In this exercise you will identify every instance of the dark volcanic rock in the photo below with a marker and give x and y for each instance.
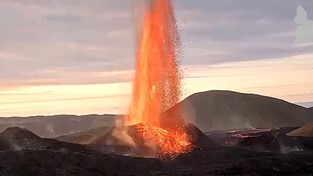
(64, 159)
(262, 139)
(236, 161)
(67, 163)
(216, 162)
(306, 142)
(266, 139)
(272, 141)
(218, 110)
(232, 137)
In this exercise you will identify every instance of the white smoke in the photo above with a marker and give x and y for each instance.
(120, 132)
(248, 125)
(15, 146)
(286, 149)
(50, 129)
(154, 149)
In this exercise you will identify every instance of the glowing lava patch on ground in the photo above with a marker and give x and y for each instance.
(156, 86)
(170, 143)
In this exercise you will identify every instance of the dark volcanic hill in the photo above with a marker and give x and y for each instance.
(217, 162)
(305, 131)
(52, 126)
(15, 138)
(216, 110)
(16, 133)
(126, 140)
(37, 156)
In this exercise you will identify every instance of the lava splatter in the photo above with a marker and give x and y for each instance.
(156, 86)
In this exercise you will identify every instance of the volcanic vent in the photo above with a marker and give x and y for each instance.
(156, 86)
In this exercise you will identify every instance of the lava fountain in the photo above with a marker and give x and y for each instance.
(156, 85)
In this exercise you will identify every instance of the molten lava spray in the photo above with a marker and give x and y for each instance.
(156, 85)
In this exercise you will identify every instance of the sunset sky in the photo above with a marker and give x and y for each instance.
(77, 56)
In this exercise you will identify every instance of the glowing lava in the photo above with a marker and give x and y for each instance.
(170, 143)
(156, 85)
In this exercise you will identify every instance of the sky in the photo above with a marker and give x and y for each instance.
(78, 56)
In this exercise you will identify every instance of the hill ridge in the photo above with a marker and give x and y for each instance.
(219, 109)
(209, 110)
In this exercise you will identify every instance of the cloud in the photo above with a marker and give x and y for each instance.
(242, 30)
(304, 31)
(66, 76)
(306, 104)
(286, 78)
(54, 41)
(63, 99)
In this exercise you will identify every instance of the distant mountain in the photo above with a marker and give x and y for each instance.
(52, 126)
(217, 110)
(211, 110)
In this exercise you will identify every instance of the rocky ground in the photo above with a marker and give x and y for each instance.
(220, 161)
(240, 152)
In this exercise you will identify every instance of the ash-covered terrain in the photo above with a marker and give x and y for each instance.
(238, 152)
(266, 146)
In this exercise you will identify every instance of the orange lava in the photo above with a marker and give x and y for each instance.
(156, 86)
(170, 143)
